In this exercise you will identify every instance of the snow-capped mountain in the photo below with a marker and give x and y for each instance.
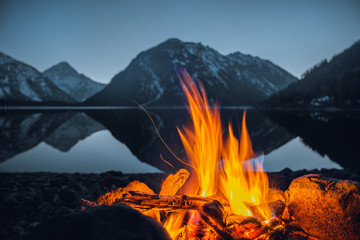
(73, 83)
(21, 82)
(235, 79)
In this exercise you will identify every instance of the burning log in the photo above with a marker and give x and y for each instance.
(145, 201)
(214, 211)
(213, 214)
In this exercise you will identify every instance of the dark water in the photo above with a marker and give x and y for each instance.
(125, 140)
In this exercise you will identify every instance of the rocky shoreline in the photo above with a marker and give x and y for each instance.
(28, 199)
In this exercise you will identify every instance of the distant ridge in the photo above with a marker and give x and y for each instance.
(234, 79)
(329, 84)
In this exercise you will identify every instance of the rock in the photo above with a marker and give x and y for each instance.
(174, 182)
(139, 187)
(69, 196)
(46, 208)
(118, 221)
(50, 193)
(55, 182)
(327, 208)
(111, 197)
(109, 181)
(62, 211)
(286, 171)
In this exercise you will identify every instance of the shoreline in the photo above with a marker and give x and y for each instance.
(29, 198)
(242, 107)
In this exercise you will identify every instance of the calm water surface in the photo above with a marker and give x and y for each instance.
(125, 140)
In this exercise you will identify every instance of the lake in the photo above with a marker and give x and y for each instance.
(99, 140)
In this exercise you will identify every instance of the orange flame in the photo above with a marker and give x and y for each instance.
(173, 224)
(222, 166)
(203, 140)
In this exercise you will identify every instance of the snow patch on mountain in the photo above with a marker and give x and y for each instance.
(27, 91)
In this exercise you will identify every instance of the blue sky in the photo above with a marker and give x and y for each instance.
(100, 38)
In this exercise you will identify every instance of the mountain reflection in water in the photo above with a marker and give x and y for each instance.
(295, 139)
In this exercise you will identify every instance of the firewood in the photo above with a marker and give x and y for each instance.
(174, 182)
(256, 232)
(241, 226)
(277, 208)
(211, 211)
(276, 233)
(146, 201)
(233, 219)
(217, 227)
(213, 214)
(216, 211)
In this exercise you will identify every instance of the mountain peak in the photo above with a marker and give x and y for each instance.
(4, 59)
(64, 64)
(62, 67)
(173, 40)
(73, 83)
(171, 43)
(177, 43)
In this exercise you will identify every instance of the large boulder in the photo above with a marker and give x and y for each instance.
(118, 221)
(327, 208)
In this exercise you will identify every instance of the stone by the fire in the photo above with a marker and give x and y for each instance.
(118, 221)
(139, 187)
(111, 197)
(174, 182)
(327, 208)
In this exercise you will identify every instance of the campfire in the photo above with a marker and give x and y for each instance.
(221, 193)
